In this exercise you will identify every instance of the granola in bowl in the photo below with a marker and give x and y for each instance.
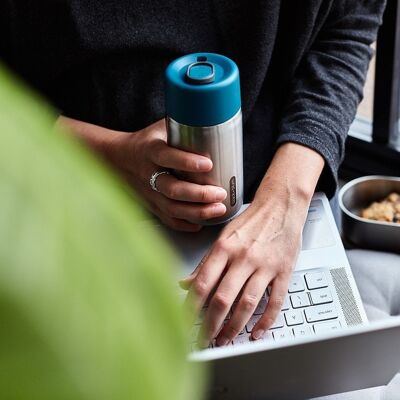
(387, 210)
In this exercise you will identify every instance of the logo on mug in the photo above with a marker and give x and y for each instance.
(232, 186)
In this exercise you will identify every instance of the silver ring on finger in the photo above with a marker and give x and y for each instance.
(154, 177)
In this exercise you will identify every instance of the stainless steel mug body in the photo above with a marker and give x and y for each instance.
(223, 144)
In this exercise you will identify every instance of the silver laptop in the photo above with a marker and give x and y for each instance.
(320, 344)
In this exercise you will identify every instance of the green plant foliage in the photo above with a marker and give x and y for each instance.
(87, 304)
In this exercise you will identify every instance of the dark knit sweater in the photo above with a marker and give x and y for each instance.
(302, 63)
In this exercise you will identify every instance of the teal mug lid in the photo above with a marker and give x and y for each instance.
(202, 89)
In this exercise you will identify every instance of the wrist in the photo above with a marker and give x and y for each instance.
(291, 179)
(286, 187)
(102, 140)
(282, 197)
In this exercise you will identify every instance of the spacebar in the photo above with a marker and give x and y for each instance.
(321, 313)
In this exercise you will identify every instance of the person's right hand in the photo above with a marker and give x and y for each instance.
(139, 154)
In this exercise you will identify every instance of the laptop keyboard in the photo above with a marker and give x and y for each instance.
(309, 309)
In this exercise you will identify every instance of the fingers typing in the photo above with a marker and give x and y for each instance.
(274, 306)
(244, 309)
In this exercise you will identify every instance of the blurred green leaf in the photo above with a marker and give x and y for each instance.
(87, 303)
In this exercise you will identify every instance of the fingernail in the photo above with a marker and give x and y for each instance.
(219, 209)
(258, 334)
(205, 165)
(220, 195)
(222, 341)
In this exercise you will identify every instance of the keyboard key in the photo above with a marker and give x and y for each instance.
(316, 280)
(279, 322)
(300, 300)
(302, 331)
(250, 325)
(294, 317)
(241, 339)
(296, 284)
(326, 327)
(261, 307)
(282, 334)
(320, 313)
(321, 296)
(267, 336)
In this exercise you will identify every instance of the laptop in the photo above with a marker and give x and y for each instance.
(321, 343)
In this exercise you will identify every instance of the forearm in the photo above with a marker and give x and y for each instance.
(291, 180)
(96, 137)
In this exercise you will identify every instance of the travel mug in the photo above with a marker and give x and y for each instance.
(203, 107)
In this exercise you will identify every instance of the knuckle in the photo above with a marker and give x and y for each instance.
(284, 266)
(284, 262)
(203, 213)
(173, 191)
(248, 302)
(252, 254)
(188, 163)
(222, 245)
(287, 266)
(245, 253)
(158, 157)
(279, 268)
(204, 194)
(200, 287)
(276, 303)
(221, 301)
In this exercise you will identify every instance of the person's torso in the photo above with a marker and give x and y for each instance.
(103, 61)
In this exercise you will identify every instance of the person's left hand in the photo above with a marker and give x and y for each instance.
(257, 249)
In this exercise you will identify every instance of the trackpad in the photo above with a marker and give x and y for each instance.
(317, 232)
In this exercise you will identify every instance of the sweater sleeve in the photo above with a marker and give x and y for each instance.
(328, 85)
